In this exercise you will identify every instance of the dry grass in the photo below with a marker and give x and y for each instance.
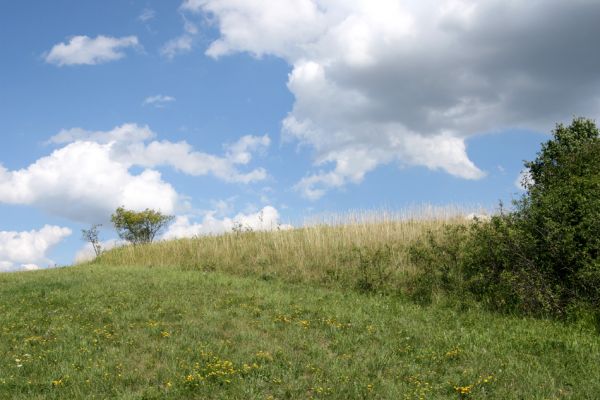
(326, 250)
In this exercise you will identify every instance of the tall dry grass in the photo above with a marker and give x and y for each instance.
(328, 249)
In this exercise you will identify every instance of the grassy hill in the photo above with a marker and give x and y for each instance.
(273, 316)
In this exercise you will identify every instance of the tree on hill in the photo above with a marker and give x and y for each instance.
(139, 226)
(543, 257)
(561, 210)
(92, 236)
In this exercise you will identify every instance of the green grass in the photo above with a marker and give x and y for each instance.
(100, 332)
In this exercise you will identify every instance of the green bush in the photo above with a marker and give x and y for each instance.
(561, 210)
(139, 227)
(543, 256)
(440, 258)
(375, 267)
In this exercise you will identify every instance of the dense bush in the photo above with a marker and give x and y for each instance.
(542, 257)
(139, 227)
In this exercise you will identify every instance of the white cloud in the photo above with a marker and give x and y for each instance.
(241, 151)
(147, 14)
(266, 219)
(83, 50)
(192, 5)
(28, 250)
(159, 100)
(408, 82)
(88, 178)
(180, 45)
(183, 158)
(189, 27)
(83, 182)
(126, 133)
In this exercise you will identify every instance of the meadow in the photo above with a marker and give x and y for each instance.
(321, 312)
(336, 251)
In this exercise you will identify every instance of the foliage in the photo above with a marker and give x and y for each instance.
(561, 212)
(542, 257)
(139, 226)
(92, 235)
(439, 258)
(375, 266)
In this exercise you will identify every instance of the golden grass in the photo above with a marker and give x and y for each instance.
(325, 250)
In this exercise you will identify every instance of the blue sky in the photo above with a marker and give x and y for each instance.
(267, 112)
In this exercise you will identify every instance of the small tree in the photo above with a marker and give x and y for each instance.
(91, 235)
(139, 226)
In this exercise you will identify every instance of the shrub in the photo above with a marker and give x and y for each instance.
(440, 258)
(375, 267)
(542, 257)
(561, 210)
(139, 227)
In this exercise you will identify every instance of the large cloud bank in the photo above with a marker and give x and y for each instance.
(409, 81)
(91, 174)
(27, 250)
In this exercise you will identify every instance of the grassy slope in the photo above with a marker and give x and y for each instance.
(322, 254)
(144, 333)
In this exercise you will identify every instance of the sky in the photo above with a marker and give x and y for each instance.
(267, 112)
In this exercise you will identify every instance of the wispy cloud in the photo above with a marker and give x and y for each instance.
(179, 45)
(147, 14)
(183, 43)
(158, 101)
(83, 50)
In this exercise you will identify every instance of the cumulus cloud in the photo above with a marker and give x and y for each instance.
(90, 176)
(266, 219)
(183, 158)
(159, 100)
(27, 250)
(83, 50)
(408, 82)
(83, 182)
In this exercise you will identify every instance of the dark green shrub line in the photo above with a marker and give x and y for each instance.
(541, 258)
